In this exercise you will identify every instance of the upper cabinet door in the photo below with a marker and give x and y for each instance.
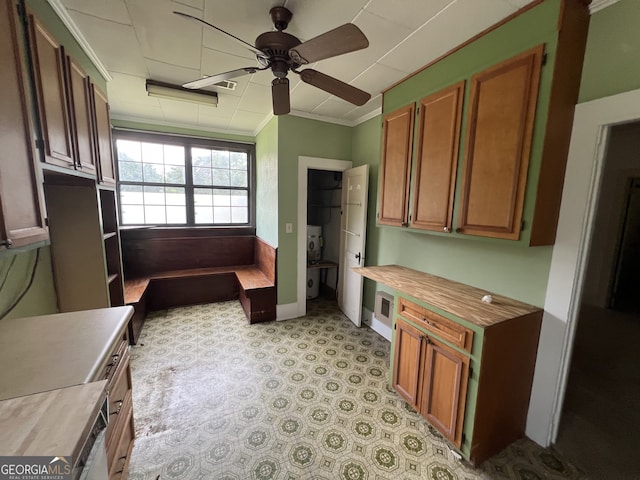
(49, 66)
(21, 213)
(79, 93)
(498, 145)
(396, 167)
(440, 116)
(104, 150)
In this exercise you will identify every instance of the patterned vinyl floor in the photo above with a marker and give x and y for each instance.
(307, 399)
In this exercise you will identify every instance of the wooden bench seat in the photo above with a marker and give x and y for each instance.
(153, 283)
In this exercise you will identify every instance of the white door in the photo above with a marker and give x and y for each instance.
(355, 186)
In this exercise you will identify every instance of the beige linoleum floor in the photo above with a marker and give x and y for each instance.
(216, 398)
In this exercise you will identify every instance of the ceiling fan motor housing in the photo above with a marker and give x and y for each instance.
(276, 46)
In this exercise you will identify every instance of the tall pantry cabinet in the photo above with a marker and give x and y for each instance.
(78, 173)
(21, 209)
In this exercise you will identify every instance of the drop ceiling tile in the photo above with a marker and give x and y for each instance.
(113, 10)
(438, 37)
(116, 45)
(215, 62)
(333, 108)
(153, 21)
(312, 18)
(178, 111)
(409, 13)
(127, 88)
(247, 121)
(305, 97)
(197, 4)
(166, 72)
(226, 109)
(520, 3)
(256, 98)
(377, 78)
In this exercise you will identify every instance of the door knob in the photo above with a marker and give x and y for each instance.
(358, 257)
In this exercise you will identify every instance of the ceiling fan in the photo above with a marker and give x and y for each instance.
(282, 53)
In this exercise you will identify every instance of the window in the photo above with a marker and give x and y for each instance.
(183, 181)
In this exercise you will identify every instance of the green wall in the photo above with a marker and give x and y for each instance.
(267, 183)
(612, 59)
(300, 137)
(16, 269)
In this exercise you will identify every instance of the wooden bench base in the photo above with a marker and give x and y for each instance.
(256, 293)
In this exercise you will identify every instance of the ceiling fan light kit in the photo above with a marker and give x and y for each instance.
(176, 92)
(283, 53)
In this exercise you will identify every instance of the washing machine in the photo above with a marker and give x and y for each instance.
(313, 283)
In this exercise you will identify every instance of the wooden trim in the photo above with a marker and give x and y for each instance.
(531, 60)
(467, 42)
(572, 41)
(455, 95)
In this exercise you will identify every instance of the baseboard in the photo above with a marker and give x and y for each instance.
(381, 328)
(287, 311)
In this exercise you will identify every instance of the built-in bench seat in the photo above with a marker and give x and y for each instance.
(153, 282)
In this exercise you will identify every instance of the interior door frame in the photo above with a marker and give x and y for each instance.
(304, 165)
(592, 123)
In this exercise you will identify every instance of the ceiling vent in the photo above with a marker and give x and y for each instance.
(226, 84)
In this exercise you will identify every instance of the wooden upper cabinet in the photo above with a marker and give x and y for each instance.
(440, 115)
(21, 207)
(396, 167)
(444, 389)
(104, 150)
(81, 117)
(49, 66)
(498, 146)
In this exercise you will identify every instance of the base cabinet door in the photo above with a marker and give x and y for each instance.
(433, 378)
(444, 389)
(407, 362)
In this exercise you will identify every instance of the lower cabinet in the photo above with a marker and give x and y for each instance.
(471, 382)
(433, 378)
(120, 433)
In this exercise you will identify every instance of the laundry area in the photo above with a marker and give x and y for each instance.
(324, 193)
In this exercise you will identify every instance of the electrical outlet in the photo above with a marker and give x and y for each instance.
(288, 227)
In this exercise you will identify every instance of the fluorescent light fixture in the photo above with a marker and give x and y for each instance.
(176, 92)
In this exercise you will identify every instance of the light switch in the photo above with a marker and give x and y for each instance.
(288, 227)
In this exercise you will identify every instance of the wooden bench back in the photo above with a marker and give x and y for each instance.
(148, 256)
(265, 259)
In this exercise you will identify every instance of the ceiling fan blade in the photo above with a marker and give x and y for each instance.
(259, 53)
(206, 81)
(280, 96)
(344, 39)
(334, 86)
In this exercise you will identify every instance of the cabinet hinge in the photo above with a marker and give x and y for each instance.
(39, 144)
(522, 225)
(470, 372)
(395, 325)
(464, 438)
(544, 59)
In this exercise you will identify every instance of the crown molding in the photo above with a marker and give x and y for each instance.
(61, 11)
(597, 5)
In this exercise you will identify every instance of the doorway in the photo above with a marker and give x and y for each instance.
(599, 426)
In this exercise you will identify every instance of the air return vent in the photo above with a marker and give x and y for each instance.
(226, 84)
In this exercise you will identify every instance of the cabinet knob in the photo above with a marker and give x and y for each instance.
(458, 230)
(446, 229)
(7, 243)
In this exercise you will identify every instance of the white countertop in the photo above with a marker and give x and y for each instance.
(48, 352)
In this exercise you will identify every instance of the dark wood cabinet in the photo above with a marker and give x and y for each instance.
(82, 117)
(49, 64)
(438, 139)
(498, 145)
(21, 212)
(432, 377)
(104, 150)
(395, 170)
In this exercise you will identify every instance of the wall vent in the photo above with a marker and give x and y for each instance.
(383, 309)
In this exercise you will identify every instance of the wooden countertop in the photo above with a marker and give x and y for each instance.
(463, 301)
(48, 352)
(53, 423)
